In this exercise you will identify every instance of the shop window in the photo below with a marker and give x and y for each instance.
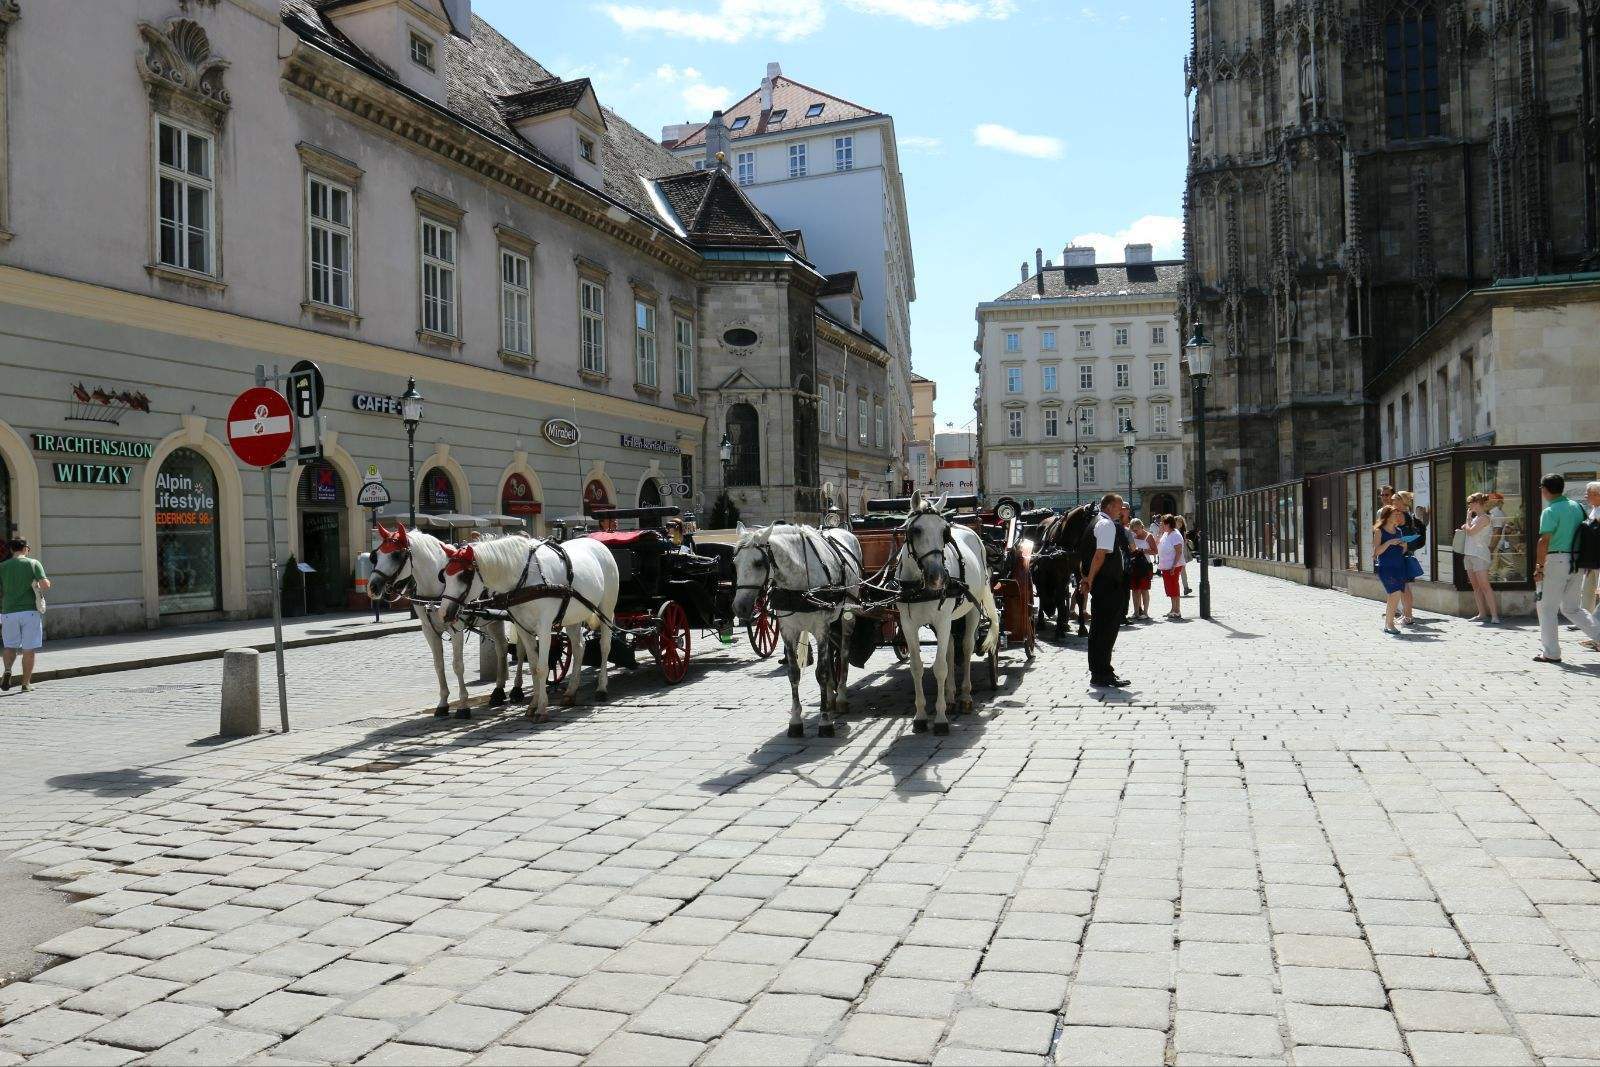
(1508, 519)
(744, 432)
(650, 494)
(438, 495)
(518, 498)
(595, 496)
(188, 538)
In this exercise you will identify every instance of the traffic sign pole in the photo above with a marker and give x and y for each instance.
(277, 584)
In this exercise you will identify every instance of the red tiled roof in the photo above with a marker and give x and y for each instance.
(788, 96)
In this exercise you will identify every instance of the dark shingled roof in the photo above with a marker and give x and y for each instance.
(713, 211)
(1159, 278)
(839, 284)
(556, 95)
(480, 73)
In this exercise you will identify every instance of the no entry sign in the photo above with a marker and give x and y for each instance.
(260, 426)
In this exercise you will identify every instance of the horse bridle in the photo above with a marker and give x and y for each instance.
(945, 540)
(392, 580)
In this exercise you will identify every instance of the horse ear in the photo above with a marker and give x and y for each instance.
(740, 529)
(916, 500)
(938, 505)
(383, 534)
(400, 532)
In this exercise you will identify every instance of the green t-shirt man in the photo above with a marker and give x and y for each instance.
(1560, 519)
(17, 576)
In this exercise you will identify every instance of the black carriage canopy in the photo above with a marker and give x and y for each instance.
(902, 504)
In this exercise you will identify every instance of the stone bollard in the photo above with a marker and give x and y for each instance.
(488, 668)
(241, 692)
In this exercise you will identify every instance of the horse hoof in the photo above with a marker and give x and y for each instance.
(568, 701)
(464, 713)
(940, 729)
(966, 706)
(797, 729)
(919, 726)
(518, 696)
(497, 698)
(442, 711)
(825, 730)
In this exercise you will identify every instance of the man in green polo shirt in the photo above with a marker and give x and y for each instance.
(1558, 585)
(22, 583)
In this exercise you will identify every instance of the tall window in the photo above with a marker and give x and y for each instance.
(1086, 469)
(1158, 374)
(825, 402)
(1052, 422)
(1052, 470)
(1158, 418)
(592, 310)
(1086, 422)
(1158, 335)
(1085, 338)
(328, 242)
(744, 434)
(1013, 379)
(844, 153)
(1411, 74)
(861, 419)
(1017, 470)
(516, 303)
(188, 523)
(644, 344)
(797, 160)
(840, 414)
(1013, 342)
(1014, 425)
(1124, 376)
(877, 425)
(1163, 466)
(438, 278)
(1048, 376)
(683, 337)
(1047, 340)
(186, 198)
(1119, 337)
(746, 167)
(1124, 418)
(1086, 376)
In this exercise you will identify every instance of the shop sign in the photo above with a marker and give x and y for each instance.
(563, 433)
(373, 495)
(650, 444)
(323, 487)
(92, 474)
(595, 497)
(183, 500)
(375, 403)
(87, 445)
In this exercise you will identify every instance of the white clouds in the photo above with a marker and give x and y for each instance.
(729, 22)
(1005, 139)
(929, 145)
(935, 14)
(668, 73)
(702, 98)
(1165, 232)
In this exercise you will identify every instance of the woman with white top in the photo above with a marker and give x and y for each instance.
(1475, 557)
(1169, 561)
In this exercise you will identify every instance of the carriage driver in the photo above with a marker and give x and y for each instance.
(1108, 588)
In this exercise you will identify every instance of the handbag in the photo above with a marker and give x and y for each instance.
(1413, 568)
(1458, 543)
(38, 598)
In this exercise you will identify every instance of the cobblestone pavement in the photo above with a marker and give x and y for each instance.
(1295, 840)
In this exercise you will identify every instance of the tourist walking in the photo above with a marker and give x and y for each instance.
(1476, 532)
(1141, 571)
(1590, 597)
(1389, 560)
(1556, 583)
(1108, 586)
(23, 584)
(1415, 534)
(1169, 560)
(1183, 567)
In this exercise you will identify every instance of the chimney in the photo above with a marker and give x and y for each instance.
(716, 143)
(1038, 267)
(1076, 256)
(773, 70)
(1024, 270)
(1138, 253)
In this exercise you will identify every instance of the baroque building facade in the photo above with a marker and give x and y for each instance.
(1355, 167)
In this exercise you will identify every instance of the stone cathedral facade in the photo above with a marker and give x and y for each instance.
(1355, 166)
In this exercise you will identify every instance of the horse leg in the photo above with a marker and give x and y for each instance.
(539, 705)
(791, 651)
(841, 693)
(969, 641)
(912, 633)
(574, 676)
(941, 675)
(520, 649)
(458, 660)
(825, 678)
(497, 637)
(436, 646)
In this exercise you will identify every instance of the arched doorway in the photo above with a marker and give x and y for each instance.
(744, 434)
(595, 496)
(650, 493)
(320, 501)
(8, 524)
(1162, 504)
(437, 494)
(188, 535)
(517, 497)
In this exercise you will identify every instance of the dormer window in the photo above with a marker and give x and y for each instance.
(813, 111)
(740, 123)
(777, 117)
(421, 51)
(586, 149)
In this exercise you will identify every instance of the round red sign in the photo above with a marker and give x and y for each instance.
(260, 428)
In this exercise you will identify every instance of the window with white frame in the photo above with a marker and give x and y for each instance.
(1158, 418)
(1014, 425)
(1017, 469)
(1124, 376)
(1013, 341)
(746, 167)
(797, 160)
(877, 425)
(844, 153)
(825, 402)
(1086, 422)
(1048, 378)
(592, 313)
(185, 198)
(1013, 379)
(683, 338)
(328, 243)
(1052, 422)
(1047, 340)
(1158, 374)
(1052, 470)
(1124, 418)
(516, 303)
(644, 344)
(438, 278)
(586, 149)
(1086, 376)
(1119, 337)
(1086, 469)
(861, 419)
(840, 414)
(1163, 466)
(1085, 339)
(421, 51)
(1158, 335)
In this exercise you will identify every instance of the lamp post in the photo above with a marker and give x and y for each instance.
(1129, 440)
(1077, 450)
(1199, 350)
(411, 415)
(725, 453)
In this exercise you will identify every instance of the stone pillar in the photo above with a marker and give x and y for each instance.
(241, 692)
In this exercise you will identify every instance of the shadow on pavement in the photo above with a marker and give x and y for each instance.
(128, 782)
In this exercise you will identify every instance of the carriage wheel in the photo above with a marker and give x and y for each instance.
(560, 658)
(994, 667)
(672, 642)
(1028, 648)
(763, 630)
(902, 651)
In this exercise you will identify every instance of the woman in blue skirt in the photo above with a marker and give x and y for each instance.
(1389, 560)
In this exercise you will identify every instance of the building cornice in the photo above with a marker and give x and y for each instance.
(1042, 308)
(852, 344)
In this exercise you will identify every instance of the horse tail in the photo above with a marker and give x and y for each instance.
(992, 612)
(802, 651)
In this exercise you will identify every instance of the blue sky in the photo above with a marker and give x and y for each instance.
(1022, 123)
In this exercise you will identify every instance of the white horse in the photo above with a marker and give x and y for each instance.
(940, 558)
(412, 556)
(581, 579)
(785, 560)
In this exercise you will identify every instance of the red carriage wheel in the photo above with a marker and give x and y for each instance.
(560, 658)
(902, 651)
(672, 642)
(763, 629)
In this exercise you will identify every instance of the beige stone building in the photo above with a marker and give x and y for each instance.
(920, 458)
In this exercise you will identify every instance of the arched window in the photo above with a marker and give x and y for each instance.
(321, 486)
(650, 494)
(1411, 73)
(744, 431)
(6, 527)
(188, 541)
(438, 495)
(518, 498)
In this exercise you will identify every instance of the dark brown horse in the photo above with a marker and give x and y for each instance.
(1066, 544)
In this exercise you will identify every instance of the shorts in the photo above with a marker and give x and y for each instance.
(1476, 564)
(22, 630)
(1139, 585)
(1169, 581)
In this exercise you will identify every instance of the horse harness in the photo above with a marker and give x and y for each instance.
(784, 602)
(953, 588)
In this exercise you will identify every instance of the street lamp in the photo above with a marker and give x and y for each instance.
(1129, 440)
(725, 453)
(1199, 351)
(411, 415)
(1077, 450)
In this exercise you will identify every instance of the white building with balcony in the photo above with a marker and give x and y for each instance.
(1072, 359)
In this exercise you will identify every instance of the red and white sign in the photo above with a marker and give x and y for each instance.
(260, 426)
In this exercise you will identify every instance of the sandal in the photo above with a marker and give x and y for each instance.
(1545, 659)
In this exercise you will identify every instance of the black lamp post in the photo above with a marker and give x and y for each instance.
(725, 453)
(1199, 351)
(1129, 440)
(1078, 449)
(411, 415)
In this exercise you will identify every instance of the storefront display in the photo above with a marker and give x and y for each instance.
(188, 551)
(1508, 522)
(438, 496)
(517, 498)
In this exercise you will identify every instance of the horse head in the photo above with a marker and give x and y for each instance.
(752, 571)
(391, 560)
(460, 580)
(927, 532)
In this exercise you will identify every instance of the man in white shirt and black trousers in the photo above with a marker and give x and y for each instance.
(1108, 588)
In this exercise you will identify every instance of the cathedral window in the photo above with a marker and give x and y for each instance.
(1411, 44)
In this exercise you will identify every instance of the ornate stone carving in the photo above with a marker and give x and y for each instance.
(181, 73)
